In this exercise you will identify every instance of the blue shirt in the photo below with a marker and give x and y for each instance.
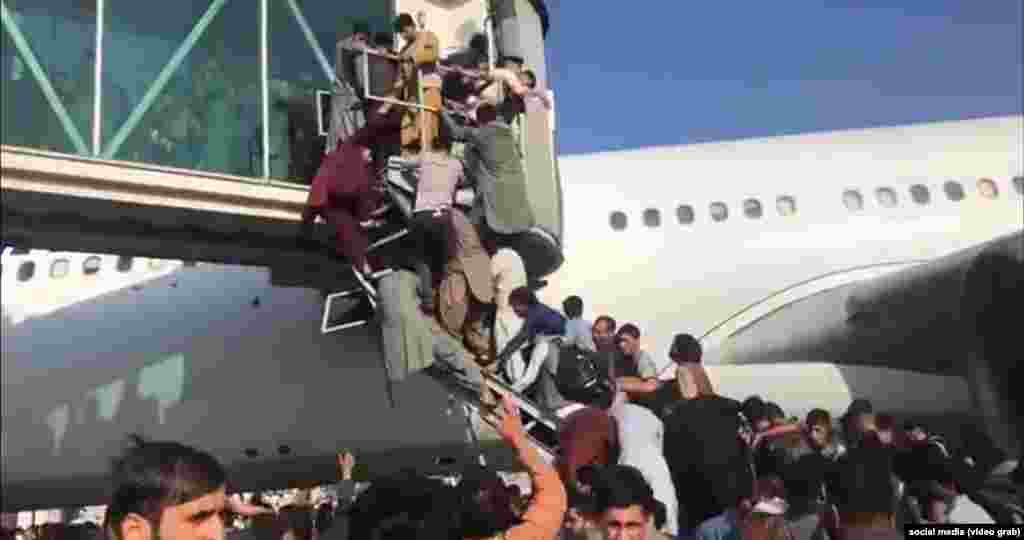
(577, 332)
(721, 527)
(540, 321)
(544, 321)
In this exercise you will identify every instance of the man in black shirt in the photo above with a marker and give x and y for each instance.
(710, 464)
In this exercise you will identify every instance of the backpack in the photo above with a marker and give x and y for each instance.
(582, 378)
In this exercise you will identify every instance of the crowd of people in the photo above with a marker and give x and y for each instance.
(414, 104)
(457, 271)
(640, 457)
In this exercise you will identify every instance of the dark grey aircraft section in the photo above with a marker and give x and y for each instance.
(956, 316)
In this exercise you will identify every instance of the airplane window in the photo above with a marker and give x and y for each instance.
(853, 200)
(988, 188)
(26, 271)
(954, 191)
(618, 220)
(886, 197)
(752, 208)
(652, 217)
(786, 205)
(124, 264)
(1018, 183)
(719, 211)
(190, 264)
(685, 214)
(920, 194)
(91, 266)
(60, 268)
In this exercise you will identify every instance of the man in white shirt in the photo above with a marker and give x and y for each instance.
(509, 274)
(577, 329)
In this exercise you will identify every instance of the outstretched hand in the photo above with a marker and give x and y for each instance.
(347, 463)
(510, 423)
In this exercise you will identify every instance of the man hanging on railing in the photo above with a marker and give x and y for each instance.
(542, 331)
(430, 226)
(383, 71)
(344, 193)
(462, 74)
(519, 87)
(467, 290)
(418, 61)
(495, 167)
(346, 104)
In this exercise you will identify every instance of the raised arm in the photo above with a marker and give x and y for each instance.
(349, 54)
(510, 78)
(636, 385)
(543, 518)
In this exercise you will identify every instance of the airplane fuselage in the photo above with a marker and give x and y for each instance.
(713, 240)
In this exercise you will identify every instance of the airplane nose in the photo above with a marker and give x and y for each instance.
(993, 295)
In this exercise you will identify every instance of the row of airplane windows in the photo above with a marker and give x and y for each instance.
(786, 205)
(91, 266)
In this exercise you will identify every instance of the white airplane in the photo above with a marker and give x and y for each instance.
(761, 247)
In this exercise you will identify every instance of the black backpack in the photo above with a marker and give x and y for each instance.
(582, 377)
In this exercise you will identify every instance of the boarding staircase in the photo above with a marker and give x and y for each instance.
(356, 306)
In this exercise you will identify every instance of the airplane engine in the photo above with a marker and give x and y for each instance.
(929, 341)
(993, 298)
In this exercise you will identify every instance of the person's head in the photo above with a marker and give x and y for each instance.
(774, 414)
(858, 420)
(587, 437)
(863, 491)
(384, 40)
(685, 348)
(166, 491)
(361, 30)
(818, 424)
(485, 504)
(405, 26)
(625, 504)
(478, 44)
(392, 504)
(628, 339)
(529, 78)
(521, 299)
(486, 113)
(915, 432)
(753, 410)
(573, 307)
(577, 522)
(603, 332)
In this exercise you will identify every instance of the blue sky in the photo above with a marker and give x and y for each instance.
(656, 72)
